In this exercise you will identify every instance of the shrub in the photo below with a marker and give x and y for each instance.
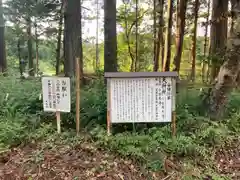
(21, 111)
(11, 132)
(22, 97)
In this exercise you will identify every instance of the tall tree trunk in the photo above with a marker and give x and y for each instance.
(29, 44)
(194, 39)
(59, 39)
(3, 61)
(160, 44)
(177, 10)
(136, 39)
(204, 63)
(80, 41)
(232, 22)
(209, 62)
(159, 51)
(110, 36)
(19, 56)
(218, 37)
(180, 33)
(230, 69)
(155, 59)
(72, 37)
(168, 39)
(37, 52)
(97, 34)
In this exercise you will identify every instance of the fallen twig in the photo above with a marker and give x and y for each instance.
(168, 176)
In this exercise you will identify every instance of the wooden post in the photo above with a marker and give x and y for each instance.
(108, 123)
(174, 106)
(173, 123)
(108, 108)
(58, 116)
(77, 96)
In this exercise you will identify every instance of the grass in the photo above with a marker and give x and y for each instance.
(23, 119)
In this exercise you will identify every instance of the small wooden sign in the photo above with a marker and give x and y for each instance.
(56, 96)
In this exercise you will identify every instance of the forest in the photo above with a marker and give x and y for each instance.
(198, 39)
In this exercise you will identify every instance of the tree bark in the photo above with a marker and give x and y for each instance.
(218, 37)
(3, 61)
(167, 54)
(72, 37)
(229, 71)
(136, 38)
(80, 41)
(155, 59)
(37, 46)
(97, 32)
(232, 22)
(194, 39)
(59, 39)
(160, 45)
(204, 63)
(19, 56)
(29, 44)
(110, 36)
(180, 33)
(160, 40)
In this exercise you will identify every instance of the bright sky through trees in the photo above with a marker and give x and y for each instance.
(89, 26)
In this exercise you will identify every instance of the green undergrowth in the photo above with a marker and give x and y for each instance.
(23, 119)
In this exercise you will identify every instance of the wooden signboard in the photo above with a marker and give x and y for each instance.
(141, 97)
(56, 96)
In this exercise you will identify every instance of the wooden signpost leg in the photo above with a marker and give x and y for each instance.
(174, 107)
(108, 123)
(58, 116)
(77, 96)
(173, 123)
(108, 108)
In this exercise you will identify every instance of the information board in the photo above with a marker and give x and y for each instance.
(56, 94)
(137, 100)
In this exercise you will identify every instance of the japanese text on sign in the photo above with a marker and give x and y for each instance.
(141, 99)
(56, 94)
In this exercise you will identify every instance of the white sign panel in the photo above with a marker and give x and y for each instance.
(136, 100)
(56, 94)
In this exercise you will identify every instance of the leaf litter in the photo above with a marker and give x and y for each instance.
(228, 159)
(60, 160)
(38, 161)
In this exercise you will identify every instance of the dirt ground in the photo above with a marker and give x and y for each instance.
(83, 162)
(36, 161)
(228, 159)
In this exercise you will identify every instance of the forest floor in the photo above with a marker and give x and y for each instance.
(45, 161)
(228, 160)
(65, 162)
(30, 149)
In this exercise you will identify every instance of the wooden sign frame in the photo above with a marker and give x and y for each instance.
(123, 75)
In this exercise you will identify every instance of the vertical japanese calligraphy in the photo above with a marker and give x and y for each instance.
(49, 94)
(56, 94)
(58, 91)
(141, 99)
